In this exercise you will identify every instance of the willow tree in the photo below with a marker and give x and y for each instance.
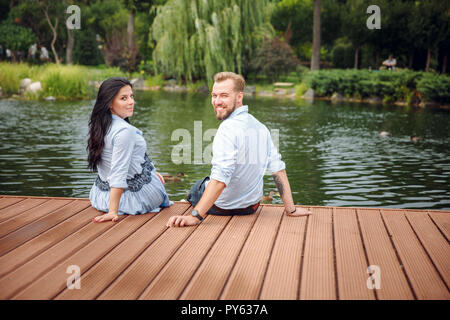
(197, 38)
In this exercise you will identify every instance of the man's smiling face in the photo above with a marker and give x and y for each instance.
(225, 99)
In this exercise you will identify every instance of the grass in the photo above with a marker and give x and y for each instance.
(64, 82)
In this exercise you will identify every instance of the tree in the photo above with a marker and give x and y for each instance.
(133, 6)
(16, 38)
(433, 25)
(294, 20)
(315, 57)
(52, 11)
(196, 37)
(354, 26)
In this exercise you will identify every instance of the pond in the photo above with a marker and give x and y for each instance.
(333, 152)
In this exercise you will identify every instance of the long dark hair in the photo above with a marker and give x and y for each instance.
(101, 118)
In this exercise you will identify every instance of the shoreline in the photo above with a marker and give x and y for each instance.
(275, 94)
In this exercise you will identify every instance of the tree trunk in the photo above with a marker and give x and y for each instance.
(288, 33)
(444, 64)
(355, 65)
(315, 57)
(70, 46)
(411, 60)
(55, 35)
(427, 65)
(130, 29)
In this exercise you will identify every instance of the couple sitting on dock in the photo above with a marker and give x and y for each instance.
(128, 183)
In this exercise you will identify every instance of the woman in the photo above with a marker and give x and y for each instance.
(127, 181)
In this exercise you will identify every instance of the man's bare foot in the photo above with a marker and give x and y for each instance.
(106, 217)
(299, 212)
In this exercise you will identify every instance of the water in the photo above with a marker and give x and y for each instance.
(333, 153)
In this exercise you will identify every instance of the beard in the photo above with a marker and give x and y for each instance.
(228, 110)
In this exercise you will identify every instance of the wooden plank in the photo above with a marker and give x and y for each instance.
(29, 216)
(97, 278)
(37, 227)
(432, 240)
(283, 273)
(43, 197)
(133, 281)
(422, 275)
(6, 202)
(55, 281)
(19, 208)
(27, 251)
(38, 266)
(381, 253)
(172, 279)
(442, 221)
(318, 275)
(246, 278)
(351, 262)
(212, 274)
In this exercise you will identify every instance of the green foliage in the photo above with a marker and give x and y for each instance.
(156, 80)
(15, 37)
(342, 54)
(64, 82)
(435, 87)
(300, 89)
(86, 50)
(10, 76)
(301, 71)
(196, 38)
(391, 86)
(296, 15)
(273, 58)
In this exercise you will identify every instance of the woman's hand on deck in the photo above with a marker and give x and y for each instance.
(110, 216)
(161, 178)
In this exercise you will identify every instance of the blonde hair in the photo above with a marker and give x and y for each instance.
(239, 81)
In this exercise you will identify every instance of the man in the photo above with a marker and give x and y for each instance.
(390, 63)
(242, 151)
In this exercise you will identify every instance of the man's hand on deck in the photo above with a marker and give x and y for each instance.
(182, 221)
(299, 212)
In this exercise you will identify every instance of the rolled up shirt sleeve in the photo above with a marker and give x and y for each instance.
(275, 163)
(224, 155)
(123, 144)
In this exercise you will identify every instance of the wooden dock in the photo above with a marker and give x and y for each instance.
(267, 255)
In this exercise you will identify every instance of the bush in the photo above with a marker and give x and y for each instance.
(274, 58)
(156, 80)
(300, 89)
(391, 86)
(435, 87)
(86, 50)
(343, 55)
(15, 37)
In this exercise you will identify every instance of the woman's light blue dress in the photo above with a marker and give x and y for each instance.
(125, 164)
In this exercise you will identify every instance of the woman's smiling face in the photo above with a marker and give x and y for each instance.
(123, 103)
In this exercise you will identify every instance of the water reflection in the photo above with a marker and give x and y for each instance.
(334, 154)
